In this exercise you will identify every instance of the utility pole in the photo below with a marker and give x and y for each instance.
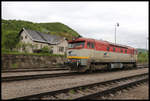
(146, 42)
(116, 25)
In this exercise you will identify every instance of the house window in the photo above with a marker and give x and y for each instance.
(21, 38)
(23, 48)
(26, 37)
(125, 51)
(61, 49)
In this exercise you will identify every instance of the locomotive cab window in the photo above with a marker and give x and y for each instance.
(92, 45)
(88, 45)
(79, 44)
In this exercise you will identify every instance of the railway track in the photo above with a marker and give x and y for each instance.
(40, 76)
(49, 69)
(143, 66)
(33, 70)
(63, 67)
(90, 91)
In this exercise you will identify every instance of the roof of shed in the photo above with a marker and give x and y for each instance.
(42, 37)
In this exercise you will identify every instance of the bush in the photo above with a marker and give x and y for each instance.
(45, 49)
(4, 50)
(143, 57)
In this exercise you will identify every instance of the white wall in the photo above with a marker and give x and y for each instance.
(40, 45)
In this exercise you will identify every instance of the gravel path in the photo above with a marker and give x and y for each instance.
(32, 73)
(22, 88)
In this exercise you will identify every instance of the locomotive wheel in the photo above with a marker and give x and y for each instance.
(89, 70)
(134, 65)
(92, 68)
(109, 66)
(123, 67)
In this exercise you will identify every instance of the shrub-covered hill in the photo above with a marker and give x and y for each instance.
(11, 28)
(142, 50)
(143, 55)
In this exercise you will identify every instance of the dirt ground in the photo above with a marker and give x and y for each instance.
(141, 92)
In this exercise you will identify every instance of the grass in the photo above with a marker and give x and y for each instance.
(72, 91)
(143, 57)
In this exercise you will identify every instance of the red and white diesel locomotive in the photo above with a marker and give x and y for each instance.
(85, 53)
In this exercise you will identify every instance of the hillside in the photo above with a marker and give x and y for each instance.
(143, 55)
(11, 28)
(142, 50)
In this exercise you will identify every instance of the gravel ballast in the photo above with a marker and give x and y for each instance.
(140, 92)
(29, 87)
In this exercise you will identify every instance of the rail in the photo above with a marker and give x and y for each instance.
(40, 76)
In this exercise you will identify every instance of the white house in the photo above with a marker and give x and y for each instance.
(36, 40)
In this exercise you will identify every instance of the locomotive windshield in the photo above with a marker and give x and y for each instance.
(79, 44)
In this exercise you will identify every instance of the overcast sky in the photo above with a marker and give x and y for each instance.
(90, 19)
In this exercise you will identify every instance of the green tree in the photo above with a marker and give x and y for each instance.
(11, 28)
(10, 40)
(143, 57)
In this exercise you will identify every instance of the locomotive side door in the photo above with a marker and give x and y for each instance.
(91, 48)
(132, 54)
